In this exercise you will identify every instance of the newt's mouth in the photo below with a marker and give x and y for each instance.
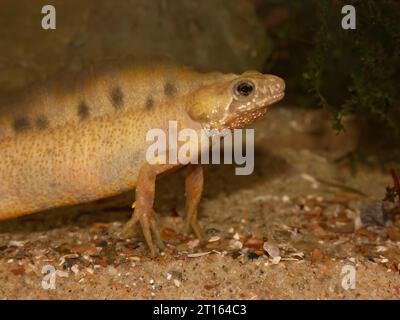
(275, 98)
(269, 101)
(279, 96)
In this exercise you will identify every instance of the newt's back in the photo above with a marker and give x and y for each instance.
(107, 88)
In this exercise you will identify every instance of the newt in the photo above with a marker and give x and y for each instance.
(76, 139)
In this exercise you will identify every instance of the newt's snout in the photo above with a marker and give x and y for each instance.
(271, 90)
(277, 86)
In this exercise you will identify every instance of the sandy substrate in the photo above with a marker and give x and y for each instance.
(298, 204)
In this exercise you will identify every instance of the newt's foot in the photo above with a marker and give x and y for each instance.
(149, 225)
(191, 224)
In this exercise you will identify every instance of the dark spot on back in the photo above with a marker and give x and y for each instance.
(21, 124)
(42, 122)
(170, 89)
(83, 111)
(117, 97)
(149, 103)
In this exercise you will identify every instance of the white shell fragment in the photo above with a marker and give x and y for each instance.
(198, 254)
(214, 239)
(272, 251)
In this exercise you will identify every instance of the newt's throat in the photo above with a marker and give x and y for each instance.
(246, 118)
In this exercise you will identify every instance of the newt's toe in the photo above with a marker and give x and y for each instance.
(191, 225)
(149, 228)
(128, 230)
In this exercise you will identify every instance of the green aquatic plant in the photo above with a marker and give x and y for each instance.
(357, 71)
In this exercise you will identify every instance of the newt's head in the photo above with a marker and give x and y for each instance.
(235, 101)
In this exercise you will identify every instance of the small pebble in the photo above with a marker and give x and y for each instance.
(177, 283)
(357, 223)
(89, 270)
(176, 274)
(14, 243)
(62, 274)
(75, 269)
(381, 249)
(193, 243)
(112, 270)
(375, 213)
(254, 243)
(332, 211)
(235, 244)
(251, 255)
(276, 260)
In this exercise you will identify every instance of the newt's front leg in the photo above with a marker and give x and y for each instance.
(144, 213)
(194, 189)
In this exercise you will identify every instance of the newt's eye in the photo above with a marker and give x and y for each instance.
(243, 88)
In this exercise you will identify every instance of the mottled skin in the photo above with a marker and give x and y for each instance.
(76, 140)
